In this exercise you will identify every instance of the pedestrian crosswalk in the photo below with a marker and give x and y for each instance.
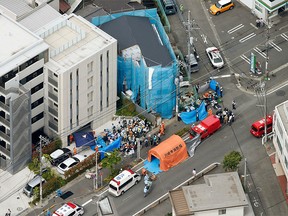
(277, 44)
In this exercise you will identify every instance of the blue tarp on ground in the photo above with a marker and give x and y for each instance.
(190, 117)
(153, 166)
(83, 138)
(106, 148)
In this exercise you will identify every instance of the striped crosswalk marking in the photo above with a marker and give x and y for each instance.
(245, 58)
(247, 37)
(260, 52)
(275, 46)
(284, 36)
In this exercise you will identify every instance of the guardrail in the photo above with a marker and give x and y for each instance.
(187, 182)
(269, 137)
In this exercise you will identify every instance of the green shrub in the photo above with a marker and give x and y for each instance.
(182, 131)
(231, 161)
(51, 147)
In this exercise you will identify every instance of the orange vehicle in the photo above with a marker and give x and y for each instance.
(206, 127)
(258, 127)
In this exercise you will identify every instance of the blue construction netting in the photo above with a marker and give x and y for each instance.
(153, 87)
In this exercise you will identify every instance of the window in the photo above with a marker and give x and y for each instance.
(126, 183)
(222, 211)
(258, 6)
(90, 96)
(90, 111)
(37, 88)
(37, 117)
(31, 76)
(90, 82)
(37, 103)
(90, 67)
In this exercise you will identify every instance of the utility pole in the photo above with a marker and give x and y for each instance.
(189, 47)
(245, 174)
(267, 49)
(96, 168)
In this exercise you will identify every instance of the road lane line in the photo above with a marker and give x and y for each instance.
(253, 26)
(222, 76)
(260, 52)
(247, 37)
(236, 28)
(245, 58)
(275, 46)
(284, 36)
(87, 202)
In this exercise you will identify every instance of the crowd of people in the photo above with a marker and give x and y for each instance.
(131, 132)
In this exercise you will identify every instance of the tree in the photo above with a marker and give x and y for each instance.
(111, 160)
(231, 161)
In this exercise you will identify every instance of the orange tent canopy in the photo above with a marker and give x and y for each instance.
(170, 152)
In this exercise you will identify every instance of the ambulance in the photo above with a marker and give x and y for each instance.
(122, 182)
(258, 127)
(69, 209)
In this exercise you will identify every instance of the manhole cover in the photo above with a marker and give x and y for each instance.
(280, 93)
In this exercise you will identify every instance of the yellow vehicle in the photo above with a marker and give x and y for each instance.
(221, 6)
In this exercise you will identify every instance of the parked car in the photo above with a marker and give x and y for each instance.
(60, 155)
(215, 57)
(193, 63)
(70, 162)
(221, 6)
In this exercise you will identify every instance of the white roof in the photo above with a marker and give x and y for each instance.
(41, 16)
(17, 44)
(17, 7)
(220, 191)
(72, 39)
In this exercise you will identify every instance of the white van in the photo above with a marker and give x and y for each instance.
(69, 209)
(122, 182)
(31, 185)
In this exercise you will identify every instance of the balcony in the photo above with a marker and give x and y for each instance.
(4, 122)
(4, 107)
(53, 96)
(4, 151)
(53, 82)
(53, 126)
(272, 5)
(5, 137)
(53, 111)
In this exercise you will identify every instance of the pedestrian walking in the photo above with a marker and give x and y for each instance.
(261, 22)
(194, 172)
(221, 91)
(197, 115)
(257, 23)
(225, 119)
(230, 120)
(233, 105)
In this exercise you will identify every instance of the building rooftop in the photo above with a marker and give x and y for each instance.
(16, 42)
(17, 7)
(283, 112)
(219, 191)
(134, 30)
(72, 39)
(41, 16)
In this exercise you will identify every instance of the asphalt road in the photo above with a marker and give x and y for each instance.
(264, 190)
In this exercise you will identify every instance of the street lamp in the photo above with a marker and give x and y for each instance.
(96, 166)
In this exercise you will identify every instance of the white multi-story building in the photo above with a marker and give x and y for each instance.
(58, 73)
(280, 138)
(22, 58)
(266, 8)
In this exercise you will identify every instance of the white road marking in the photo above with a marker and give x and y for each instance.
(284, 36)
(87, 202)
(275, 46)
(247, 37)
(260, 52)
(222, 76)
(253, 25)
(245, 58)
(235, 28)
